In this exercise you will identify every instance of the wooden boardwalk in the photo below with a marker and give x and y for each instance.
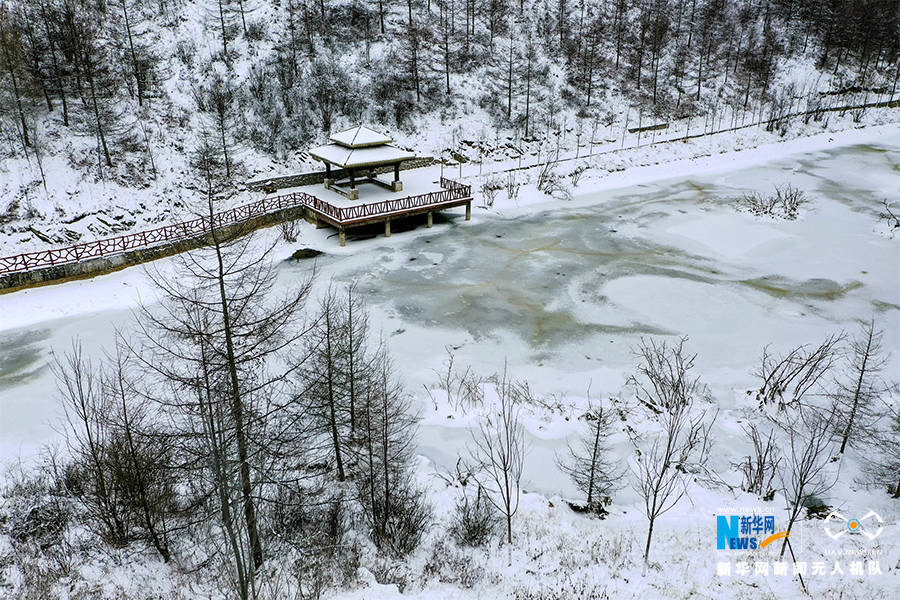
(318, 210)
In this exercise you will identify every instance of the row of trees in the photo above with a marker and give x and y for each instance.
(91, 64)
(813, 403)
(100, 67)
(234, 416)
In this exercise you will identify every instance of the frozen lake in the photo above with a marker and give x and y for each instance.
(562, 295)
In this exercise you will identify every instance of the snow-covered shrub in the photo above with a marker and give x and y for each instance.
(396, 521)
(760, 204)
(35, 517)
(474, 520)
(256, 30)
(33, 510)
(490, 187)
(464, 389)
(289, 231)
(790, 199)
(785, 202)
(786, 379)
(551, 183)
(563, 588)
(760, 468)
(889, 216)
(185, 51)
(452, 564)
(512, 186)
(577, 173)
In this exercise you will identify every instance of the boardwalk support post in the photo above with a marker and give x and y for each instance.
(342, 237)
(430, 220)
(387, 228)
(468, 211)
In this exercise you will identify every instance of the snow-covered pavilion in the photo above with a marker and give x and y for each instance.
(360, 149)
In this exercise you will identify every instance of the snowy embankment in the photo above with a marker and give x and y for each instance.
(77, 209)
(560, 292)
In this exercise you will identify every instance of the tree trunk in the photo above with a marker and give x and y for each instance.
(859, 382)
(134, 64)
(56, 70)
(222, 26)
(222, 135)
(384, 450)
(335, 436)
(509, 82)
(647, 546)
(222, 484)
(237, 407)
(594, 453)
(101, 136)
(11, 68)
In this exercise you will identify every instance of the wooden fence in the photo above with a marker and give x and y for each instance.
(203, 225)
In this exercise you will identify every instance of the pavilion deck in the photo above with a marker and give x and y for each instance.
(326, 208)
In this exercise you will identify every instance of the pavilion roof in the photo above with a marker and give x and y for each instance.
(360, 137)
(370, 156)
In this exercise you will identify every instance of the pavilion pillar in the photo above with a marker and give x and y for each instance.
(430, 221)
(397, 185)
(468, 211)
(352, 180)
(387, 228)
(342, 237)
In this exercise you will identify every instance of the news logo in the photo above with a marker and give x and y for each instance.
(746, 532)
(870, 526)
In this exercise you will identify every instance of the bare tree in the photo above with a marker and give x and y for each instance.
(121, 459)
(393, 505)
(881, 460)
(761, 467)
(807, 436)
(11, 52)
(499, 453)
(859, 391)
(787, 379)
(589, 463)
(216, 345)
(679, 447)
(358, 359)
(219, 102)
(89, 440)
(324, 380)
(147, 452)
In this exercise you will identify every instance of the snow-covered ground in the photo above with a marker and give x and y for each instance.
(560, 291)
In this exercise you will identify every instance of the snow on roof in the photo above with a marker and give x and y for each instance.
(371, 156)
(360, 137)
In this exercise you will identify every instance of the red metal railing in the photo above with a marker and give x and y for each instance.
(202, 225)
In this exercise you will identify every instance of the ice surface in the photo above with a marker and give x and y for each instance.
(560, 294)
